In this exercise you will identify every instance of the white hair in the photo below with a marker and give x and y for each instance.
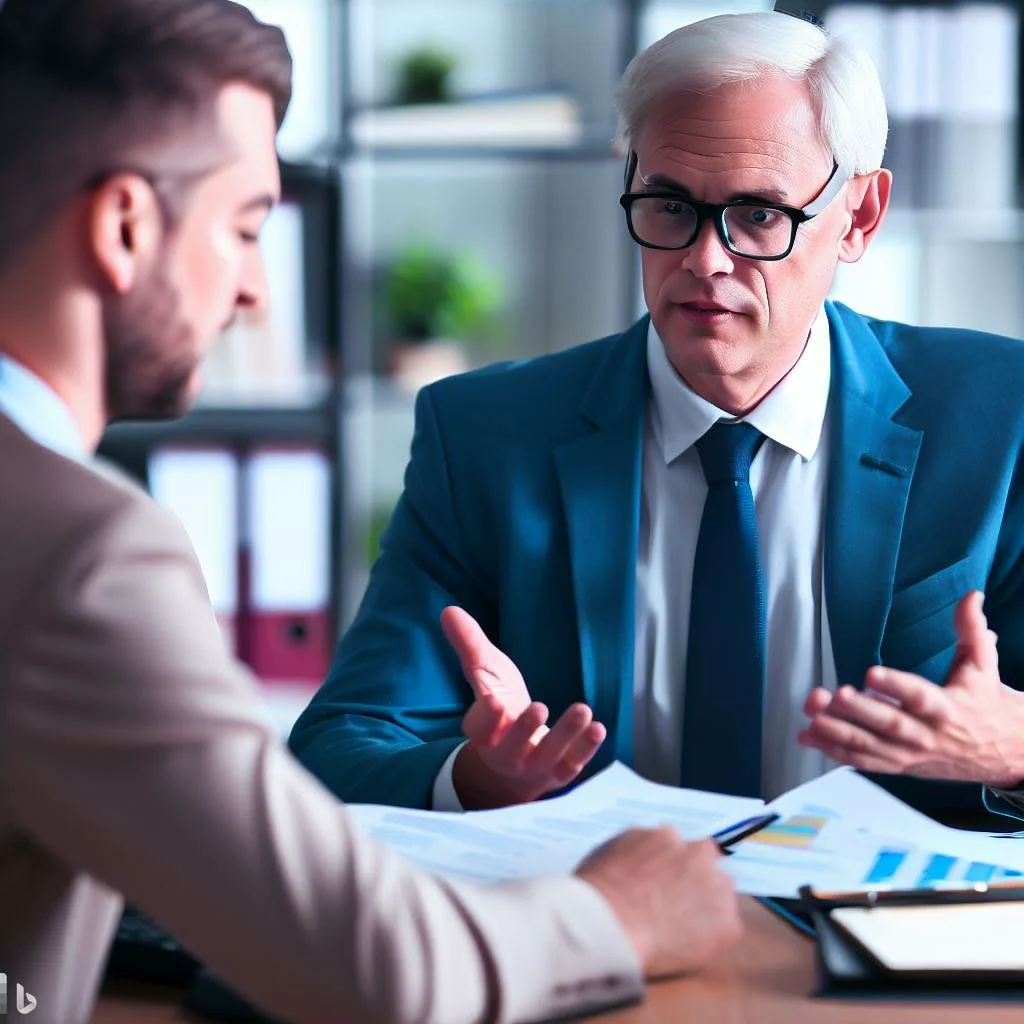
(731, 48)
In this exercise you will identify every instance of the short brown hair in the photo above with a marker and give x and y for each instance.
(86, 85)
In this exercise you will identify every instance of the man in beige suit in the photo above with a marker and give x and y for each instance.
(136, 170)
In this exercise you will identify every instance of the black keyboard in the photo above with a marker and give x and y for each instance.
(143, 951)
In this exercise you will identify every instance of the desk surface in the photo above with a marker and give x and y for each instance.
(765, 979)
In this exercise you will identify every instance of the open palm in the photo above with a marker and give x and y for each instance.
(512, 756)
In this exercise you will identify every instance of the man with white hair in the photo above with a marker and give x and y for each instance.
(694, 545)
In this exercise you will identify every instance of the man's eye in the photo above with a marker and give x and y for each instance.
(248, 238)
(762, 217)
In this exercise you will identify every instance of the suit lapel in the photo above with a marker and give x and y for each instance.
(872, 465)
(599, 476)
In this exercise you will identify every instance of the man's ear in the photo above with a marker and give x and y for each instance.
(125, 226)
(868, 199)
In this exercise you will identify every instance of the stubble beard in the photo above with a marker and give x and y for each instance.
(151, 352)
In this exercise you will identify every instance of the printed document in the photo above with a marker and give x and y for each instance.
(840, 831)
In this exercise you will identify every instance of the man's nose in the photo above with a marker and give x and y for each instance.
(253, 290)
(707, 255)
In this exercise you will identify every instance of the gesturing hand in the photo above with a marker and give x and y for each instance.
(512, 756)
(971, 729)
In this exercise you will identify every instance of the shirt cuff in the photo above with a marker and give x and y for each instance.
(557, 948)
(444, 797)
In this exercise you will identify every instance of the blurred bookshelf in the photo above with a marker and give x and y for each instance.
(450, 200)
(950, 251)
(522, 216)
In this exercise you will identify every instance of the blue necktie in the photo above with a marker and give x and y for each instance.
(722, 713)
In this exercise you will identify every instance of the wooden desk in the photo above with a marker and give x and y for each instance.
(765, 979)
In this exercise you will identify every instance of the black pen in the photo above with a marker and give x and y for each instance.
(732, 834)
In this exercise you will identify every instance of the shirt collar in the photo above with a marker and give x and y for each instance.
(38, 411)
(792, 414)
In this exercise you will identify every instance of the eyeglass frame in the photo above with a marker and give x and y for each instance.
(715, 212)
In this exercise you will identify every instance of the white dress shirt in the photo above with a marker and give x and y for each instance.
(37, 410)
(788, 479)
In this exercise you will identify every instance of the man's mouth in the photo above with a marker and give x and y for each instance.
(705, 307)
(705, 313)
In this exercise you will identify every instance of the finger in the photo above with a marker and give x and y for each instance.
(516, 745)
(882, 718)
(817, 701)
(918, 697)
(973, 641)
(844, 755)
(474, 650)
(484, 721)
(486, 667)
(840, 733)
(580, 753)
(554, 746)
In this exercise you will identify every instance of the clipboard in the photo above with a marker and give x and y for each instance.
(963, 942)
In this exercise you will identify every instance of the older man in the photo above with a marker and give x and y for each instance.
(677, 542)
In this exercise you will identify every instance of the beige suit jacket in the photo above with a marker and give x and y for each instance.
(134, 760)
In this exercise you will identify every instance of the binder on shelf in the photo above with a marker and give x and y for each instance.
(977, 154)
(867, 26)
(933, 30)
(513, 119)
(905, 99)
(287, 495)
(201, 487)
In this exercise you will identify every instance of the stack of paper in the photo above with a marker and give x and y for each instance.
(838, 832)
(552, 836)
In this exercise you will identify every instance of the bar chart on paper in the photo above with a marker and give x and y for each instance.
(914, 868)
(812, 844)
(798, 831)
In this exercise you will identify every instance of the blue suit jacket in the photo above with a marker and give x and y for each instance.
(522, 501)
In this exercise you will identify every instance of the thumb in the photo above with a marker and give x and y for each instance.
(975, 642)
(472, 647)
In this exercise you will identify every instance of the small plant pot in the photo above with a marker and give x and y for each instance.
(414, 365)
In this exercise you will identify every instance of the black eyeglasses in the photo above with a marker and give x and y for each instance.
(750, 228)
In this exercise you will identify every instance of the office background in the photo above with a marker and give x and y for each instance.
(450, 200)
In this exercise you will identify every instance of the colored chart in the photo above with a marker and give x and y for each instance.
(907, 869)
(798, 831)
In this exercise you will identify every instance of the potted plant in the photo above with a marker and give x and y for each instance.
(424, 76)
(434, 303)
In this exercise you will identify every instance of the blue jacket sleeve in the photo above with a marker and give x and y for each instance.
(390, 710)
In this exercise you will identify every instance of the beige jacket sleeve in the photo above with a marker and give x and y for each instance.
(140, 757)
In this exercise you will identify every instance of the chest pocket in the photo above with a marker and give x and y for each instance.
(919, 633)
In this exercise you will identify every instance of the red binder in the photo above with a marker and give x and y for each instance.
(285, 566)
